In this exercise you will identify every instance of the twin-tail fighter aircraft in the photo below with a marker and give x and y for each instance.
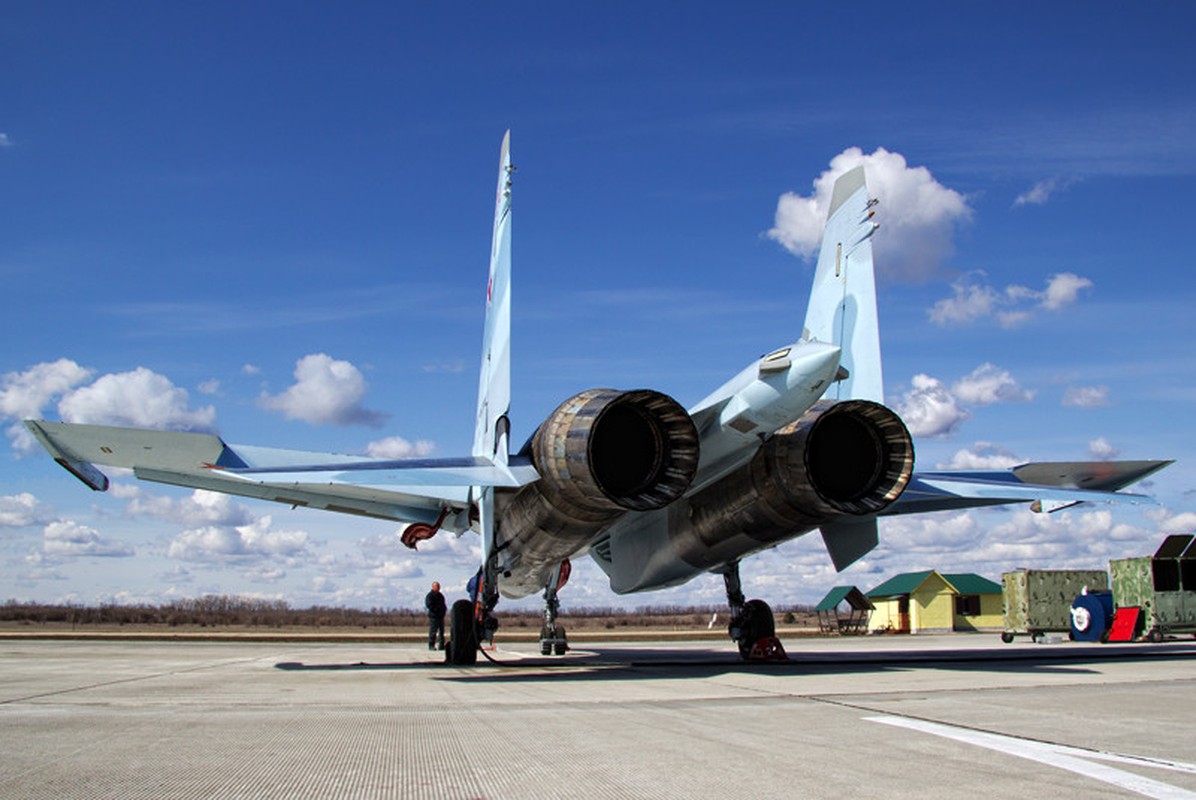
(656, 494)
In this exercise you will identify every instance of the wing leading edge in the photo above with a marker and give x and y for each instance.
(400, 489)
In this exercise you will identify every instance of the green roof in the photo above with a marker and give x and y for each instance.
(854, 597)
(900, 584)
(971, 583)
(963, 582)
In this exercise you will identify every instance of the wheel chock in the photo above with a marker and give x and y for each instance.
(768, 648)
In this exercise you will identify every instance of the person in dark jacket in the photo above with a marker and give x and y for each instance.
(435, 604)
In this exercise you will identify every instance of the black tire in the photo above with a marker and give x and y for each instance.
(1155, 635)
(757, 624)
(1006, 637)
(464, 644)
(560, 646)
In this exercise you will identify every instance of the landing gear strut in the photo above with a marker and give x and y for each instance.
(473, 620)
(752, 625)
(552, 636)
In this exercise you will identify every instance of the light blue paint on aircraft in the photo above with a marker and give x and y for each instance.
(798, 440)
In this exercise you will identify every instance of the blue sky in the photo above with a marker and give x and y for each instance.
(272, 220)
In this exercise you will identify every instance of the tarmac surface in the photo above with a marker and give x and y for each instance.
(888, 716)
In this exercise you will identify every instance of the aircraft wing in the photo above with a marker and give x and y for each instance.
(413, 490)
(1052, 485)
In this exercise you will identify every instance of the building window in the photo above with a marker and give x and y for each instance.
(967, 605)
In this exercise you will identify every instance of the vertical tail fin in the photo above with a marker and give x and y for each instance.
(842, 308)
(494, 384)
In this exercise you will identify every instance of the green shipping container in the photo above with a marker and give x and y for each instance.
(1039, 601)
(1162, 585)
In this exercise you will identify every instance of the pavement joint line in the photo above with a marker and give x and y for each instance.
(131, 679)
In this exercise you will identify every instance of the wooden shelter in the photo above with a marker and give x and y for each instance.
(844, 610)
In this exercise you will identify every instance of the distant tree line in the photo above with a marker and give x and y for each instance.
(236, 611)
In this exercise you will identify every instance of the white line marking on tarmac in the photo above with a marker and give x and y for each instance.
(1072, 759)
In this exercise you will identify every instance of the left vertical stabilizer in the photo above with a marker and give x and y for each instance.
(494, 383)
(842, 308)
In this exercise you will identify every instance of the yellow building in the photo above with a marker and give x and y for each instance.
(927, 602)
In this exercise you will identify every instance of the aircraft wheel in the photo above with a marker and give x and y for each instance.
(757, 624)
(560, 646)
(463, 649)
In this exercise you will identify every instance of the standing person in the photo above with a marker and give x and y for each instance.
(435, 604)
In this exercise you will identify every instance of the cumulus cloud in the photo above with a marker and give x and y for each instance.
(407, 568)
(140, 399)
(23, 395)
(200, 508)
(22, 510)
(918, 214)
(219, 543)
(398, 447)
(66, 538)
(983, 455)
(988, 384)
(1102, 450)
(1086, 396)
(326, 391)
(929, 409)
(932, 410)
(974, 300)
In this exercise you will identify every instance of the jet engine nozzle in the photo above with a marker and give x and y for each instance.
(600, 454)
(839, 459)
(857, 455)
(605, 449)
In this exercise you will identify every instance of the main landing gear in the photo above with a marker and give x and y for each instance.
(752, 625)
(552, 635)
(473, 620)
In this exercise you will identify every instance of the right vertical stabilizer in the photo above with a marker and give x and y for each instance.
(842, 307)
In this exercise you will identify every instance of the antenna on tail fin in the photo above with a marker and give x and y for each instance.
(842, 307)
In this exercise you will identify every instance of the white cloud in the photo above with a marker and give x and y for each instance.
(1041, 192)
(983, 455)
(1086, 396)
(1102, 450)
(929, 409)
(23, 395)
(5, 141)
(229, 543)
(200, 508)
(326, 391)
(21, 510)
(1062, 290)
(974, 300)
(988, 384)
(251, 369)
(398, 447)
(140, 399)
(66, 538)
(918, 214)
(407, 568)
(211, 386)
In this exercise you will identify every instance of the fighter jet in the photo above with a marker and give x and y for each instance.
(657, 494)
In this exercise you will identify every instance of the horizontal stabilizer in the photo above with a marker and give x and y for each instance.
(1049, 483)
